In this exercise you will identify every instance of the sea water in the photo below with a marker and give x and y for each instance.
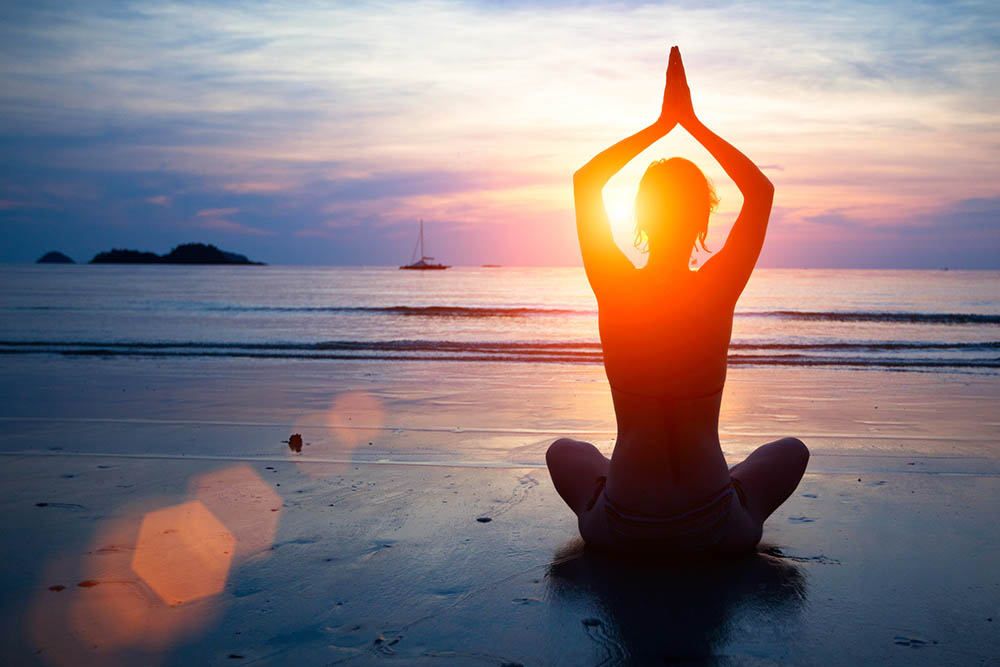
(920, 320)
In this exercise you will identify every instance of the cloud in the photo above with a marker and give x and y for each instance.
(218, 219)
(977, 217)
(958, 234)
(233, 227)
(252, 187)
(217, 212)
(10, 205)
(834, 218)
(159, 200)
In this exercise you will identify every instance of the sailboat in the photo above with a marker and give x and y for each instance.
(422, 264)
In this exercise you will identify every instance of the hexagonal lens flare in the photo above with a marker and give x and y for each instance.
(183, 552)
(247, 505)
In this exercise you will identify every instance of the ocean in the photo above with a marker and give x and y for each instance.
(919, 320)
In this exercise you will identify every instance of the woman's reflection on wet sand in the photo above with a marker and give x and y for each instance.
(656, 610)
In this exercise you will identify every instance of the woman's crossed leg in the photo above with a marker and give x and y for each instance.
(766, 479)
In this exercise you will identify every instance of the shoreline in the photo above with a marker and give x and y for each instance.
(484, 412)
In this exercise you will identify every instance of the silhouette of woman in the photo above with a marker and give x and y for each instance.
(665, 332)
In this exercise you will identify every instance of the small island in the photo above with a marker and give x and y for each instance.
(54, 257)
(187, 253)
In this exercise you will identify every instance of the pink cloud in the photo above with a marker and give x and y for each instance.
(216, 218)
(216, 212)
(252, 187)
(233, 227)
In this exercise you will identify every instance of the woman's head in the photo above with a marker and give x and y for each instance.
(673, 205)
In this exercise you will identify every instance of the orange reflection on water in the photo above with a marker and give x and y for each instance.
(245, 503)
(353, 420)
(183, 552)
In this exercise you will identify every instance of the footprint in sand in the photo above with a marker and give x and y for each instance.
(912, 642)
(63, 506)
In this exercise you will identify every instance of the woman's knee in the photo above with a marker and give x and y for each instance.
(796, 451)
(558, 450)
(564, 448)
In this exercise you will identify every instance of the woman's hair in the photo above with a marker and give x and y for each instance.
(674, 199)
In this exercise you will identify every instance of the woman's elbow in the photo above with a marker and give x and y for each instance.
(584, 185)
(758, 192)
(764, 193)
(767, 187)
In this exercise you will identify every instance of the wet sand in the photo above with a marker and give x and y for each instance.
(168, 523)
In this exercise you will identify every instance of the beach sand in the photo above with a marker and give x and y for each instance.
(151, 514)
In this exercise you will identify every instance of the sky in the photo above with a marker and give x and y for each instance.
(321, 133)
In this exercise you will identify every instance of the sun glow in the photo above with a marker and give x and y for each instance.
(619, 202)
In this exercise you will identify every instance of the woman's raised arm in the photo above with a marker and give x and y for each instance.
(603, 260)
(730, 268)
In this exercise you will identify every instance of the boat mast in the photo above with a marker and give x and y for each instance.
(421, 239)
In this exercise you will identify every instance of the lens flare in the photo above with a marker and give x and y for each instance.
(354, 419)
(244, 503)
(93, 608)
(183, 553)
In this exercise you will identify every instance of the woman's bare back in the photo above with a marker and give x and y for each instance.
(665, 357)
(665, 336)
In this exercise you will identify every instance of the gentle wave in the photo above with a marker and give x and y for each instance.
(412, 311)
(967, 355)
(877, 316)
(527, 311)
(407, 311)
(491, 345)
(873, 346)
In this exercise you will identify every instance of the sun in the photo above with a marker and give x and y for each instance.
(620, 204)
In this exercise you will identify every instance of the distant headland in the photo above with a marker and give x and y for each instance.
(54, 257)
(188, 253)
